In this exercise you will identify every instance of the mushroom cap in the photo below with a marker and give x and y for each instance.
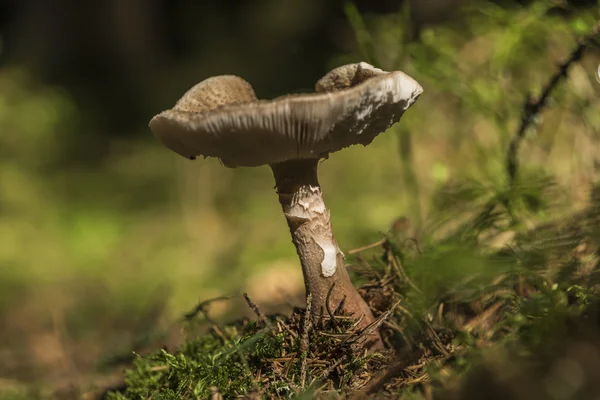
(221, 117)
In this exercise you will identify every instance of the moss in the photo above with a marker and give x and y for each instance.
(205, 362)
(256, 357)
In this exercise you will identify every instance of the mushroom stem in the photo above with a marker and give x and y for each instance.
(309, 222)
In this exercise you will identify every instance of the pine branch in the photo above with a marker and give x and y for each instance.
(532, 108)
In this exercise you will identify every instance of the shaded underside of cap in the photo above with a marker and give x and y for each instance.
(353, 105)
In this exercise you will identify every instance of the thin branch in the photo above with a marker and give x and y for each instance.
(532, 107)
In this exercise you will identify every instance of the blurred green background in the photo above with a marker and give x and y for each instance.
(106, 236)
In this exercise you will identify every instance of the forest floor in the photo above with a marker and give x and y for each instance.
(460, 319)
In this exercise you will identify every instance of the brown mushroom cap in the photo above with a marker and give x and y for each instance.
(221, 117)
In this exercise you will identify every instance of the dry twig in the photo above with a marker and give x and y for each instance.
(331, 315)
(201, 307)
(367, 247)
(304, 340)
(256, 310)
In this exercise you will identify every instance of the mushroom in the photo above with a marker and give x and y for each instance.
(221, 117)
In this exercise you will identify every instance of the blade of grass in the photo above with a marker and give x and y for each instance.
(363, 37)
